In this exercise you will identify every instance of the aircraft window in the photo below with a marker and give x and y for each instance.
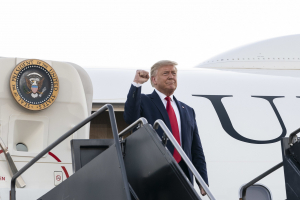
(259, 192)
(21, 147)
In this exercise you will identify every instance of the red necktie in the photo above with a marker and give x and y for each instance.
(174, 126)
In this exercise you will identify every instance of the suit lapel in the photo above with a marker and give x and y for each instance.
(159, 104)
(183, 118)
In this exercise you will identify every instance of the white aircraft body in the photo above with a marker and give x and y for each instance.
(245, 101)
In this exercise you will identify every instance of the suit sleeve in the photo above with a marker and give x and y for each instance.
(132, 109)
(198, 157)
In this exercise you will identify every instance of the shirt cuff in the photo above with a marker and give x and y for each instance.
(136, 84)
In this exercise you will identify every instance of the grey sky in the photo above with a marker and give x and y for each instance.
(136, 34)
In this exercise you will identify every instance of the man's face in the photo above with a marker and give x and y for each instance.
(165, 80)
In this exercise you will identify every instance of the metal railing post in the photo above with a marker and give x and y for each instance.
(293, 136)
(140, 121)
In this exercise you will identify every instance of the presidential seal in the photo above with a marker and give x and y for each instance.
(34, 84)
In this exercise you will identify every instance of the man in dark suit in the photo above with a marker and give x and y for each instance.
(162, 104)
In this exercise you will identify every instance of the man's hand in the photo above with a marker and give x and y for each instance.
(141, 76)
(203, 193)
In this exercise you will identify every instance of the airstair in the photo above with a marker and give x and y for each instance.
(136, 165)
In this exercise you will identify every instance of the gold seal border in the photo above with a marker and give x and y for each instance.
(13, 89)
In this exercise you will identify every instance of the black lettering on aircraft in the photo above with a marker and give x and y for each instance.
(226, 122)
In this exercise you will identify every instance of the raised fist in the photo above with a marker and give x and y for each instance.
(141, 76)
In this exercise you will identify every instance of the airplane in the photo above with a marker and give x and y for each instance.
(245, 101)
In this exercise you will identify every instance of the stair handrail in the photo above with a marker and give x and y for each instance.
(293, 136)
(292, 139)
(190, 165)
(112, 117)
(244, 188)
(139, 122)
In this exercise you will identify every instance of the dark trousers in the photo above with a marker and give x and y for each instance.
(184, 168)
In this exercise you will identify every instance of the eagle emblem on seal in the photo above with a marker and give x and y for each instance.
(34, 83)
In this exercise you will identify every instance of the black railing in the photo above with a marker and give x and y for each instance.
(244, 188)
(293, 135)
(70, 132)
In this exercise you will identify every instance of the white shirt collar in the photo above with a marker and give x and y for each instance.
(163, 96)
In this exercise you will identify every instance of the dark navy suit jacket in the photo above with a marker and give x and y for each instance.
(152, 108)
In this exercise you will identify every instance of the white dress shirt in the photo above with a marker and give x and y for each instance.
(173, 103)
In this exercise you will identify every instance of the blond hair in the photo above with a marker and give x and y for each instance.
(159, 64)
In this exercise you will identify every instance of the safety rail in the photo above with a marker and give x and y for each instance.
(70, 132)
(168, 134)
(11, 164)
(141, 121)
(244, 188)
(293, 137)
